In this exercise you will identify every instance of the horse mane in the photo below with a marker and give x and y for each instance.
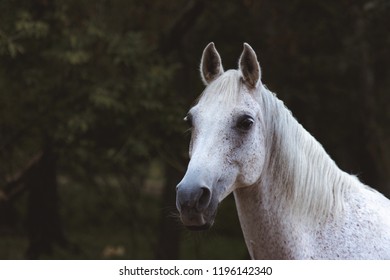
(306, 182)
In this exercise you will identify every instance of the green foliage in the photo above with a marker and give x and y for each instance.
(84, 81)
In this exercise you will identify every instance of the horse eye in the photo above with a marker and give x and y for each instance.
(245, 123)
(188, 120)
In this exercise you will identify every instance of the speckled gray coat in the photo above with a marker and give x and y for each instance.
(293, 201)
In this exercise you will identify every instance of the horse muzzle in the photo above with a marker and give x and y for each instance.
(196, 204)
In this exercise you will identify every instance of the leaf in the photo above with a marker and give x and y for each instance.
(31, 28)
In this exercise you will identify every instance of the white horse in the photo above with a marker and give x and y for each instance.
(293, 201)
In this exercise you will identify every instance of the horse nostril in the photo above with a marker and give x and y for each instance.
(192, 197)
(204, 199)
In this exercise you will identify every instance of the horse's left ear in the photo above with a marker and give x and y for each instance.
(249, 67)
(211, 64)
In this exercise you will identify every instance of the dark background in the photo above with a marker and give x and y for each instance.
(93, 93)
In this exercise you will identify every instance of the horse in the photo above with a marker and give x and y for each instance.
(292, 200)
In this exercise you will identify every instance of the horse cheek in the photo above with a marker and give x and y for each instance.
(253, 163)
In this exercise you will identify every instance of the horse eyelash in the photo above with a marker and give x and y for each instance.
(189, 122)
(188, 131)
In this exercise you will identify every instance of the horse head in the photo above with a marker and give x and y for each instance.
(227, 137)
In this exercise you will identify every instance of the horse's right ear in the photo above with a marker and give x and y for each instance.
(249, 67)
(210, 64)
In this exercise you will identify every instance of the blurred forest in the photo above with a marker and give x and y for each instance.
(93, 93)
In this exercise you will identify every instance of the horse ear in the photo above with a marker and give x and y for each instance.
(249, 67)
(210, 64)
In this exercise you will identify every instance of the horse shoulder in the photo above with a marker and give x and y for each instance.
(362, 231)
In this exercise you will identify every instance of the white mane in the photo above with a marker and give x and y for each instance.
(308, 182)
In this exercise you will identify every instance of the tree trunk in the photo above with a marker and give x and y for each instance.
(43, 218)
(168, 247)
(8, 216)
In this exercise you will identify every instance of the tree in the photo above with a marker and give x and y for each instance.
(88, 83)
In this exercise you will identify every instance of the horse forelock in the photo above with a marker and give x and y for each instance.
(224, 91)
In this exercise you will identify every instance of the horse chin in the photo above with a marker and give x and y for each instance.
(200, 228)
(198, 221)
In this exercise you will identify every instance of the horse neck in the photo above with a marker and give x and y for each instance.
(267, 235)
(300, 185)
